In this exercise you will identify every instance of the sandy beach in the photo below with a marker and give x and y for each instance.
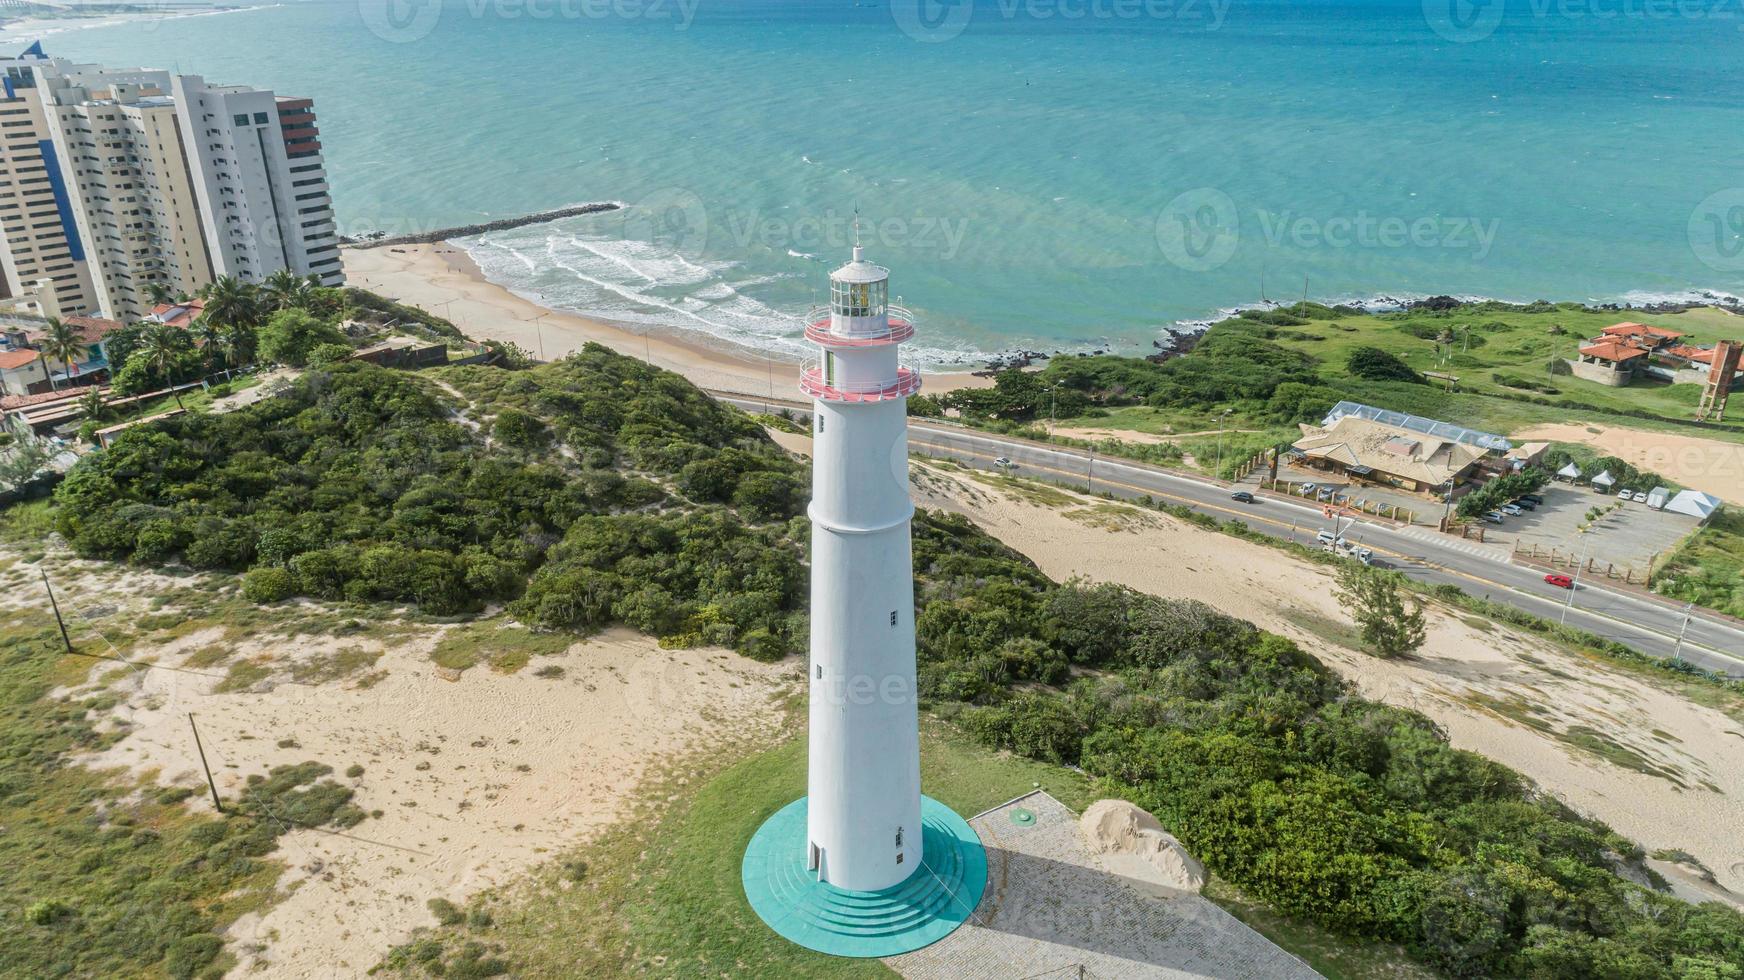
(443, 279)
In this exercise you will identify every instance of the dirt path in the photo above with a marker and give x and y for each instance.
(1708, 465)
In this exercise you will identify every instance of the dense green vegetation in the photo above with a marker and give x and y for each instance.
(620, 493)
(1266, 368)
(657, 506)
(1709, 569)
(100, 878)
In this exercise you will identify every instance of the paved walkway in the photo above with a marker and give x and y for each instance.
(1051, 911)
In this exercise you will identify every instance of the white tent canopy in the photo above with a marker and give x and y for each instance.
(1694, 503)
(1604, 479)
(1569, 472)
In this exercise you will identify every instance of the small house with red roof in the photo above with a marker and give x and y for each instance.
(177, 314)
(1640, 335)
(22, 372)
(1609, 362)
(95, 332)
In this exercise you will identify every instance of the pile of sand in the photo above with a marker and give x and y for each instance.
(1708, 465)
(1130, 842)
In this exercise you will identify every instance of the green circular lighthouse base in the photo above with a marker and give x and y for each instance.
(938, 897)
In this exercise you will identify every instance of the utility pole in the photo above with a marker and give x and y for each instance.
(1090, 474)
(1677, 649)
(210, 783)
(56, 606)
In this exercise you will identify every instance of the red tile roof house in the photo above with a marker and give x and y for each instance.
(21, 372)
(1609, 362)
(95, 332)
(177, 314)
(1639, 335)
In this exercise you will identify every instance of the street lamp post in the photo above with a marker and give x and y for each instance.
(1574, 584)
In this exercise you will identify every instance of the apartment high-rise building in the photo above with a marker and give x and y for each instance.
(158, 182)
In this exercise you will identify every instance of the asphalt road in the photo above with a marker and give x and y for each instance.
(1649, 626)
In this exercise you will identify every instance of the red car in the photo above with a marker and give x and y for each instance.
(1560, 581)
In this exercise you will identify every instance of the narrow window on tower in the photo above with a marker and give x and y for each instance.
(820, 422)
(820, 672)
(892, 619)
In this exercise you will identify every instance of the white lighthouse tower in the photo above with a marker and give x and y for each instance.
(864, 776)
(864, 865)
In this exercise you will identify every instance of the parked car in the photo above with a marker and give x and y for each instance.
(1525, 504)
(1307, 488)
(1512, 510)
(1534, 498)
(1625, 495)
(1242, 497)
(1494, 517)
(1560, 581)
(1326, 537)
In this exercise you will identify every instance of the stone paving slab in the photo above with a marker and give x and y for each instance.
(1050, 910)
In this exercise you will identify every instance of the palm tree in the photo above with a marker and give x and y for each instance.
(64, 343)
(286, 289)
(230, 301)
(159, 293)
(213, 339)
(92, 403)
(162, 345)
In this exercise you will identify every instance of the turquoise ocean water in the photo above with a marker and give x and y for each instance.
(1041, 173)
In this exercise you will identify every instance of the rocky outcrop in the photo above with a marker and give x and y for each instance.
(464, 231)
(1130, 842)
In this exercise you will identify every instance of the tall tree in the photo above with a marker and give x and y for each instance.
(163, 347)
(285, 289)
(1372, 598)
(63, 342)
(159, 293)
(230, 302)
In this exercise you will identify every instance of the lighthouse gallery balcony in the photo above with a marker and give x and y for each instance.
(900, 327)
(813, 383)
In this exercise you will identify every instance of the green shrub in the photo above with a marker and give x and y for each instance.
(268, 585)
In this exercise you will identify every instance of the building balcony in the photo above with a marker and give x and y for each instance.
(812, 382)
(817, 330)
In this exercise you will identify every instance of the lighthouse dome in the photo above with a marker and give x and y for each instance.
(860, 271)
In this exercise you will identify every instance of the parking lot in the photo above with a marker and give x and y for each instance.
(1628, 535)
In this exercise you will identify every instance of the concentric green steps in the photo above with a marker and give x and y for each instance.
(938, 897)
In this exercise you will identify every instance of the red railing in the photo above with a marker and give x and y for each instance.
(812, 382)
(818, 332)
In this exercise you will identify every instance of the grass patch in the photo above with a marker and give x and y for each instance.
(114, 878)
(243, 675)
(660, 894)
(1600, 745)
(1708, 569)
(338, 665)
(497, 641)
(1333, 956)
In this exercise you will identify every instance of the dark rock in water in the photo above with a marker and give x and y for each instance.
(377, 239)
(1174, 344)
(1440, 303)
